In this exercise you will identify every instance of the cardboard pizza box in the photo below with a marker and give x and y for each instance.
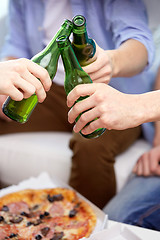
(45, 181)
(117, 232)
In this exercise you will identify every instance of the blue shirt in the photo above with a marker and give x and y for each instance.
(109, 22)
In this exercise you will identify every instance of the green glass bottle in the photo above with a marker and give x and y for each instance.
(74, 75)
(20, 111)
(83, 46)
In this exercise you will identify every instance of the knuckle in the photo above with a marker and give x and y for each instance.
(83, 117)
(38, 85)
(104, 121)
(79, 89)
(44, 73)
(102, 108)
(76, 90)
(12, 77)
(6, 85)
(32, 90)
(76, 108)
(98, 98)
(18, 67)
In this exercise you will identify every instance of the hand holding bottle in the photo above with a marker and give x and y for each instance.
(110, 108)
(19, 79)
(101, 69)
(20, 111)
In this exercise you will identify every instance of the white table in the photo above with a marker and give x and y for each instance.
(142, 233)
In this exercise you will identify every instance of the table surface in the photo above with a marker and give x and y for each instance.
(142, 233)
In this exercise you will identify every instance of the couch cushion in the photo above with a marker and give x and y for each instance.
(126, 161)
(28, 154)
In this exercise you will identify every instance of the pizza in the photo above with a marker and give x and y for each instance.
(47, 214)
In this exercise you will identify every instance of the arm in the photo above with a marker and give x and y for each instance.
(132, 42)
(126, 61)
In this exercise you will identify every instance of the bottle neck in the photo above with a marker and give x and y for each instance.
(65, 29)
(80, 38)
(69, 59)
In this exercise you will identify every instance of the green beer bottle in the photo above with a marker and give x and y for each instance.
(20, 111)
(74, 74)
(83, 46)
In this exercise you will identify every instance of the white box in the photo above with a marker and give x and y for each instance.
(117, 232)
(44, 181)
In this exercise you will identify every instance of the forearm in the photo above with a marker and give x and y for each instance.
(129, 59)
(150, 106)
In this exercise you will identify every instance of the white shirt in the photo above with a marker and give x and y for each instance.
(55, 14)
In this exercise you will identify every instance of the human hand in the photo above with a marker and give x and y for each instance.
(148, 163)
(19, 79)
(101, 69)
(113, 109)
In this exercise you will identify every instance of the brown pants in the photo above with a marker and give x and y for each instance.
(92, 172)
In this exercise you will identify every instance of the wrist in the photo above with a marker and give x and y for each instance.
(113, 56)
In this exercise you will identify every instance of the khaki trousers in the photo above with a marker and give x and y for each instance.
(92, 172)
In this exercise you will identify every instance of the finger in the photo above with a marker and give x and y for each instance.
(154, 161)
(85, 118)
(79, 108)
(81, 90)
(16, 94)
(36, 84)
(95, 66)
(134, 170)
(104, 72)
(139, 168)
(105, 79)
(145, 165)
(93, 126)
(40, 73)
(25, 86)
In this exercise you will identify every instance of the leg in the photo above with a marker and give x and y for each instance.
(92, 172)
(138, 203)
(51, 115)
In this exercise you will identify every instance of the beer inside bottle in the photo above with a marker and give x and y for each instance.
(20, 111)
(74, 75)
(83, 46)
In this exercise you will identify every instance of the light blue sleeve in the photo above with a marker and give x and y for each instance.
(16, 41)
(128, 20)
